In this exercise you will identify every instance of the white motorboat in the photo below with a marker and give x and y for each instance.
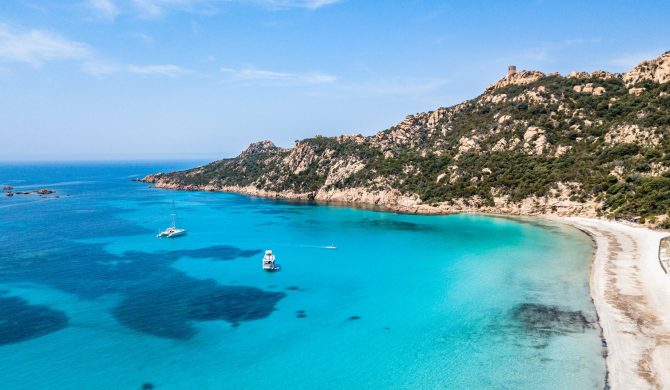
(172, 231)
(269, 261)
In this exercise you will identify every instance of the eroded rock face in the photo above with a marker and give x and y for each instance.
(259, 147)
(629, 134)
(341, 170)
(589, 88)
(599, 74)
(300, 158)
(535, 140)
(657, 70)
(518, 78)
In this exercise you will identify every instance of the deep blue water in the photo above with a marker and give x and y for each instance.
(90, 298)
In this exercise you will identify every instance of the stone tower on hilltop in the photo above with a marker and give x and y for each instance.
(511, 70)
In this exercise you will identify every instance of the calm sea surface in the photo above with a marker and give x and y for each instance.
(91, 299)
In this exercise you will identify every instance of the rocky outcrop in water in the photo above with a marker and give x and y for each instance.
(42, 192)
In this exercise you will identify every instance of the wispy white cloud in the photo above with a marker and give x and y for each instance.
(284, 4)
(549, 51)
(36, 47)
(269, 76)
(579, 41)
(536, 54)
(105, 68)
(105, 9)
(41, 8)
(151, 9)
(416, 87)
(143, 37)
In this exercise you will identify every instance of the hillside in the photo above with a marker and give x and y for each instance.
(585, 144)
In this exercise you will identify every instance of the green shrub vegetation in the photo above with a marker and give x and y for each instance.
(628, 177)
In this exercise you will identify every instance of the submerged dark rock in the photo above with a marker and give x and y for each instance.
(534, 325)
(21, 321)
(170, 310)
(386, 224)
(217, 252)
(548, 320)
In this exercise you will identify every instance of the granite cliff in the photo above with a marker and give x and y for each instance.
(586, 144)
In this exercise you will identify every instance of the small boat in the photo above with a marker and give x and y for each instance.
(269, 261)
(331, 247)
(172, 231)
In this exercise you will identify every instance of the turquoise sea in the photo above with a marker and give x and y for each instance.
(91, 299)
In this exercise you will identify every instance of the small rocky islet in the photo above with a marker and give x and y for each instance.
(9, 191)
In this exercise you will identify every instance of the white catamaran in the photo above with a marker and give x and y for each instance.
(172, 231)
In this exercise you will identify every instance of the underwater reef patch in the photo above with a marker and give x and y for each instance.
(21, 321)
(541, 319)
(157, 298)
(386, 224)
(169, 310)
(535, 325)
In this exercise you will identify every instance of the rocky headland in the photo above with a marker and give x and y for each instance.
(585, 144)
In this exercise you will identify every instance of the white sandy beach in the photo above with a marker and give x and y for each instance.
(631, 293)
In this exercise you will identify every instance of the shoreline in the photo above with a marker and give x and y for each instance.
(628, 287)
(394, 201)
(631, 293)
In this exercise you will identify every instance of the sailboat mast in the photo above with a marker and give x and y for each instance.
(174, 215)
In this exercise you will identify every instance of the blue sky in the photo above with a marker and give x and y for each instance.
(157, 79)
